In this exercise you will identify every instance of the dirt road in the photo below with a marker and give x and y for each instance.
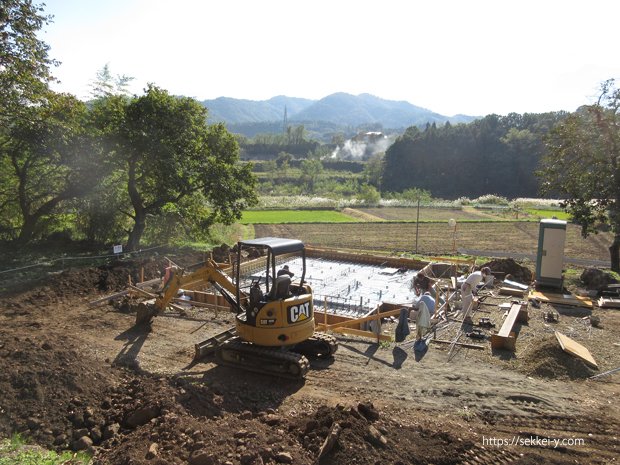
(81, 377)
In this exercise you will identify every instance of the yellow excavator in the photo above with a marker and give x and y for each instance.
(274, 315)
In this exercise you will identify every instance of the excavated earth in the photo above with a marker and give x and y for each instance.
(81, 377)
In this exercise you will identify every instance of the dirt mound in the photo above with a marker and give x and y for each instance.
(546, 359)
(221, 254)
(367, 436)
(49, 392)
(509, 266)
(83, 281)
(596, 279)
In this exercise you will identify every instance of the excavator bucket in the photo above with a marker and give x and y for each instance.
(210, 345)
(145, 313)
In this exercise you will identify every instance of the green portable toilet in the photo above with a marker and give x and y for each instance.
(550, 257)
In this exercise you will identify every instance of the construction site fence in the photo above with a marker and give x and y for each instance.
(64, 262)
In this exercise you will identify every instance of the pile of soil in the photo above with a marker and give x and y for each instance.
(596, 279)
(367, 436)
(546, 359)
(110, 277)
(49, 392)
(511, 269)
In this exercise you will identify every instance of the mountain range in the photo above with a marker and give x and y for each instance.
(336, 110)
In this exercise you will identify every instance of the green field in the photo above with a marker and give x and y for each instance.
(294, 216)
(408, 214)
(540, 213)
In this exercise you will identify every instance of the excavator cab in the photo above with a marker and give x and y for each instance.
(279, 310)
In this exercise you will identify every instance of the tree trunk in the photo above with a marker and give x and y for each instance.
(133, 242)
(32, 220)
(27, 230)
(614, 253)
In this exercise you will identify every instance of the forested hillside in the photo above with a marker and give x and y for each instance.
(496, 154)
(333, 113)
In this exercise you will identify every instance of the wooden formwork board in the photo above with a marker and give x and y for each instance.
(352, 322)
(366, 334)
(346, 256)
(562, 299)
(506, 338)
(574, 348)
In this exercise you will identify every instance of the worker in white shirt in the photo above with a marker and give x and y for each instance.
(468, 288)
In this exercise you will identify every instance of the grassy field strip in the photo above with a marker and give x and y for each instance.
(295, 216)
(559, 214)
(389, 214)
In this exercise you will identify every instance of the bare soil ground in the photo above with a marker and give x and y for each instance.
(74, 376)
(438, 238)
(430, 214)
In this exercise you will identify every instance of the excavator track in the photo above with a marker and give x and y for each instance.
(319, 345)
(271, 361)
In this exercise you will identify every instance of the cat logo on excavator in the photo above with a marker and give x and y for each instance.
(299, 312)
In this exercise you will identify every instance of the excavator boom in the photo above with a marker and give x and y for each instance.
(210, 272)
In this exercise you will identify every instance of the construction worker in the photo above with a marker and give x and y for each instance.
(285, 271)
(468, 289)
(422, 283)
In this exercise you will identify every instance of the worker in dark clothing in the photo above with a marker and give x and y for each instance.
(285, 271)
(422, 283)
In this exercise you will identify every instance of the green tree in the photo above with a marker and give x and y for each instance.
(311, 169)
(51, 158)
(582, 165)
(373, 169)
(105, 85)
(169, 153)
(283, 161)
(295, 135)
(414, 194)
(369, 195)
(24, 62)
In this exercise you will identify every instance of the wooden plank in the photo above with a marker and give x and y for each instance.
(507, 343)
(511, 291)
(357, 321)
(510, 320)
(506, 338)
(133, 288)
(359, 332)
(563, 299)
(122, 293)
(572, 347)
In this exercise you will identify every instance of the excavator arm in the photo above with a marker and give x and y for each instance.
(210, 272)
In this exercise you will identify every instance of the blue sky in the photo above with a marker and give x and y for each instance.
(472, 57)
